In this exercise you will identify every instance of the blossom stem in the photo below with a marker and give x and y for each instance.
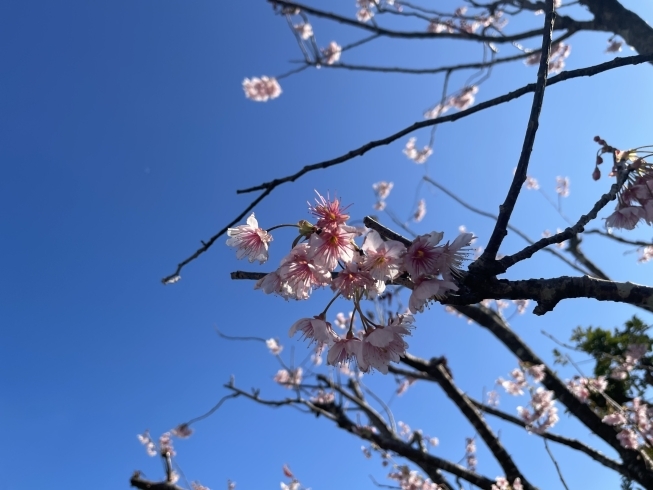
(282, 226)
(329, 305)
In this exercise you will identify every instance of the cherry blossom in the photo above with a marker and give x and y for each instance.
(382, 189)
(422, 256)
(250, 241)
(261, 89)
(274, 346)
(331, 54)
(420, 212)
(342, 351)
(329, 212)
(428, 289)
(418, 156)
(614, 45)
(385, 344)
(562, 186)
(289, 378)
(383, 259)
(544, 413)
(326, 248)
(300, 273)
(305, 30)
(314, 329)
(352, 280)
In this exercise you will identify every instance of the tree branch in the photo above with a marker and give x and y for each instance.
(505, 211)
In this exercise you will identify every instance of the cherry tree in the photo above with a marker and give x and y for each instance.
(387, 274)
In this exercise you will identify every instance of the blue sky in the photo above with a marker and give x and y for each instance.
(124, 134)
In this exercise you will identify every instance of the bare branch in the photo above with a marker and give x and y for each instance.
(437, 371)
(563, 22)
(505, 210)
(562, 479)
(512, 228)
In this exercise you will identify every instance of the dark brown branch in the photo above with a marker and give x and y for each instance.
(637, 243)
(137, 482)
(505, 210)
(442, 69)
(573, 247)
(566, 75)
(563, 22)
(268, 187)
(438, 372)
(565, 441)
(611, 16)
(515, 230)
(429, 463)
(568, 233)
(633, 464)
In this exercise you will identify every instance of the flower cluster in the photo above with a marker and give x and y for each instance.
(326, 254)
(634, 423)
(412, 480)
(417, 156)
(502, 484)
(261, 89)
(366, 8)
(470, 454)
(542, 414)
(331, 54)
(461, 101)
(382, 190)
(459, 22)
(635, 198)
(634, 353)
(582, 387)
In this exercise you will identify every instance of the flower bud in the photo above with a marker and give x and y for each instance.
(596, 175)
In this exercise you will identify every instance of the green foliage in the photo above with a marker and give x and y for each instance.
(608, 349)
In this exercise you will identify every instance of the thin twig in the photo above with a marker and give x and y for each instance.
(562, 479)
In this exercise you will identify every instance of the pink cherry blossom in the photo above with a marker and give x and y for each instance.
(250, 241)
(418, 156)
(453, 255)
(614, 419)
(261, 89)
(329, 212)
(383, 259)
(331, 54)
(628, 438)
(314, 329)
(428, 289)
(353, 280)
(382, 189)
(420, 212)
(385, 344)
(342, 351)
(625, 217)
(562, 186)
(538, 372)
(330, 246)
(423, 255)
(305, 30)
(289, 378)
(614, 46)
(301, 274)
(270, 283)
(274, 346)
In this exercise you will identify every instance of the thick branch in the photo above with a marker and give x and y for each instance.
(505, 210)
(438, 372)
(611, 16)
(137, 482)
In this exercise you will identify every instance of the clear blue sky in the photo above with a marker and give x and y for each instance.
(123, 136)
